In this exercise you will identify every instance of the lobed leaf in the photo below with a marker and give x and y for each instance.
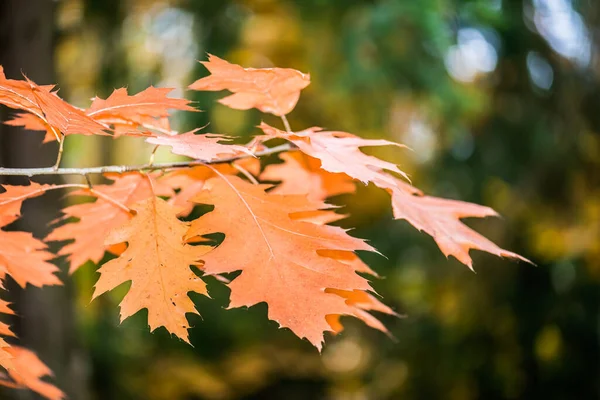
(277, 255)
(271, 90)
(157, 262)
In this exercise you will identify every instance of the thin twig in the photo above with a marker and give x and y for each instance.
(119, 169)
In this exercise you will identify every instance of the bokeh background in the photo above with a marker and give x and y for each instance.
(499, 101)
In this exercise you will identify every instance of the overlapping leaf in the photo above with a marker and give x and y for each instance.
(120, 113)
(6, 358)
(271, 90)
(12, 199)
(22, 256)
(25, 259)
(45, 104)
(205, 147)
(32, 123)
(362, 302)
(302, 174)
(96, 219)
(5, 328)
(157, 262)
(148, 109)
(339, 152)
(27, 371)
(189, 182)
(278, 256)
(151, 102)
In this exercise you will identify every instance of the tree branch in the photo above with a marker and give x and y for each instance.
(30, 172)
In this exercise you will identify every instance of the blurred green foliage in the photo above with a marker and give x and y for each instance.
(499, 101)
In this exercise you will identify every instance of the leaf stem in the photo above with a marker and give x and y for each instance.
(112, 201)
(47, 188)
(286, 123)
(246, 173)
(43, 189)
(151, 160)
(60, 138)
(61, 146)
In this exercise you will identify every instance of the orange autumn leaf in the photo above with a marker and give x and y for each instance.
(22, 256)
(12, 199)
(322, 217)
(45, 104)
(339, 152)
(6, 358)
(64, 117)
(157, 262)
(151, 102)
(278, 256)
(319, 217)
(147, 109)
(440, 218)
(302, 174)
(27, 372)
(190, 182)
(25, 259)
(32, 123)
(96, 219)
(5, 328)
(18, 94)
(362, 302)
(205, 147)
(350, 259)
(271, 90)
(4, 307)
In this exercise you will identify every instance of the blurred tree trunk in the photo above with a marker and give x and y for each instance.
(45, 322)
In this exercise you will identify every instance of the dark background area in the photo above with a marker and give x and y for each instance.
(499, 101)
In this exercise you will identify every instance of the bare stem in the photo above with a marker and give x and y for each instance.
(41, 190)
(246, 173)
(30, 172)
(114, 202)
(286, 123)
(151, 161)
(87, 188)
(61, 146)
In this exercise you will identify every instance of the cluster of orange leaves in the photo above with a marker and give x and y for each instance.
(277, 235)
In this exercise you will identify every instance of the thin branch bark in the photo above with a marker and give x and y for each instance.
(30, 172)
